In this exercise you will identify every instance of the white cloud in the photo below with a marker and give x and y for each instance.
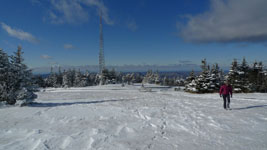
(101, 8)
(36, 2)
(46, 56)
(228, 21)
(132, 25)
(74, 11)
(67, 11)
(19, 34)
(68, 46)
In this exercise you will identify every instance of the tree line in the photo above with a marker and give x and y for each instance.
(76, 78)
(242, 77)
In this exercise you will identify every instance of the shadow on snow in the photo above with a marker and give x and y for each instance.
(38, 104)
(249, 107)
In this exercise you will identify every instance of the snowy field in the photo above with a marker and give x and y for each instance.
(120, 118)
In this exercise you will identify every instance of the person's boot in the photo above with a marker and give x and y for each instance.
(228, 107)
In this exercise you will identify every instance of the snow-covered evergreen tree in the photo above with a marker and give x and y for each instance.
(39, 81)
(214, 78)
(103, 78)
(238, 76)
(84, 81)
(233, 76)
(66, 79)
(92, 79)
(112, 76)
(165, 80)
(59, 77)
(179, 81)
(5, 85)
(151, 77)
(77, 79)
(128, 78)
(256, 76)
(202, 80)
(190, 78)
(244, 76)
(138, 78)
(52, 79)
(157, 77)
(207, 82)
(148, 77)
(22, 79)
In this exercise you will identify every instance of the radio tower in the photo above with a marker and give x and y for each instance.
(101, 48)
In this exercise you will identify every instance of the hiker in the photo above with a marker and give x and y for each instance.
(226, 92)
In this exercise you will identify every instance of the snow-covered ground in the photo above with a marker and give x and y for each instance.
(121, 118)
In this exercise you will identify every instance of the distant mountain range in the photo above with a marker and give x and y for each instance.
(125, 68)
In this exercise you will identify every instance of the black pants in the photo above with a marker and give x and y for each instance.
(226, 101)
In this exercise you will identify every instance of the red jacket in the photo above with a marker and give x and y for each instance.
(225, 90)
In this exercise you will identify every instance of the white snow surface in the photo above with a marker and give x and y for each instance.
(112, 117)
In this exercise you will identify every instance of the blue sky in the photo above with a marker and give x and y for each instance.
(136, 32)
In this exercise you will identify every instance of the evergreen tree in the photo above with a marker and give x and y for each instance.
(234, 78)
(22, 78)
(59, 77)
(104, 77)
(112, 76)
(179, 81)
(157, 77)
(77, 79)
(92, 79)
(39, 80)
(166, 81)
(203, 79)
(244, 76)
(207, 82)
(256, 76)
(215, 78)
(67, 79)
(84, 80)
(138, 78)
(128, 78)
(151, 77)
(52, 79)
(191, 77)
(6, 87)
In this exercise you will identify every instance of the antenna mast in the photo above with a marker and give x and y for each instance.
(101, 47)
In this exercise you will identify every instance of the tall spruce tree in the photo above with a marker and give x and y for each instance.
(214, 78)
(244, 76)
(22, 78)
(202, 80)
(233, 76)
